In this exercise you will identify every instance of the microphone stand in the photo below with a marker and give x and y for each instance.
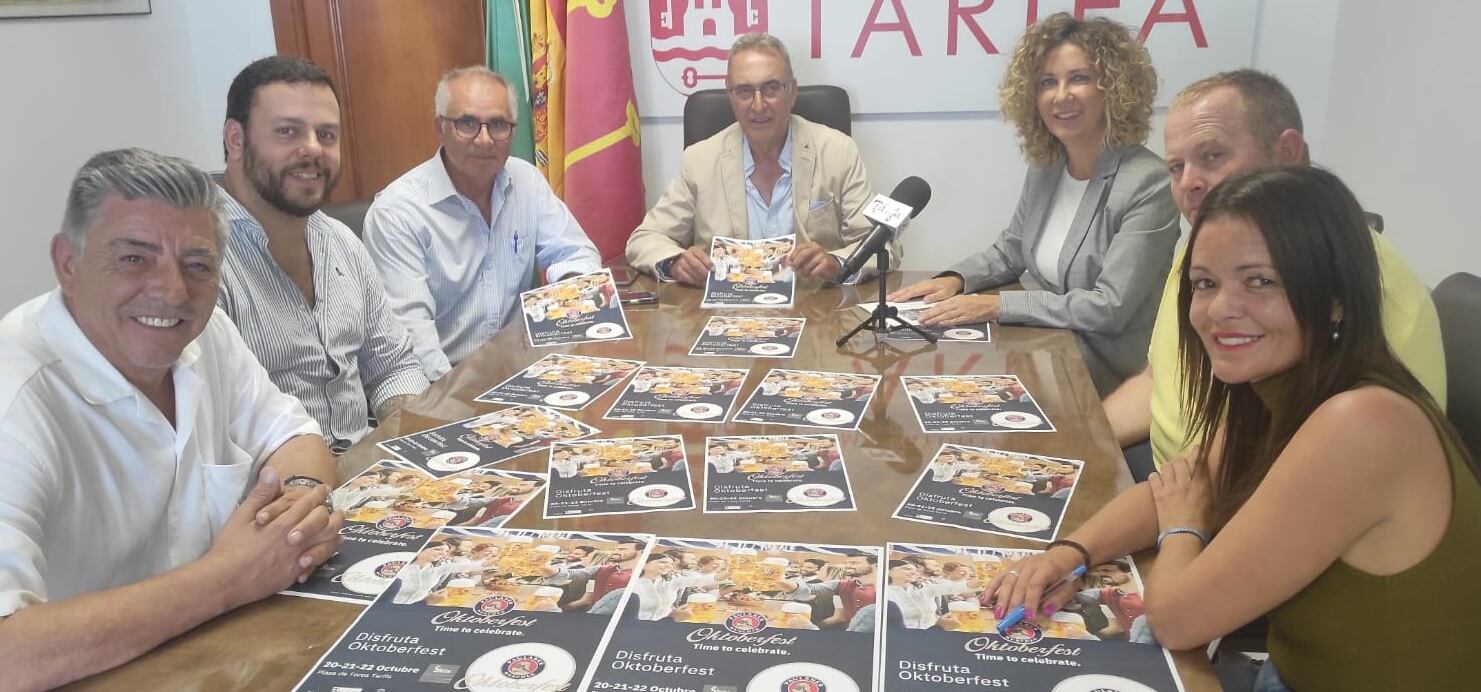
(879, 320)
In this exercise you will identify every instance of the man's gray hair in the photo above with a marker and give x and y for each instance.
(444, 88)
(762, 42)
(138, 174)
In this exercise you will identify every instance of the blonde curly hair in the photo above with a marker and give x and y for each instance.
(1124, 73)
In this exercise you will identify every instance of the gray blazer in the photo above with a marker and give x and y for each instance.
(1115, 260)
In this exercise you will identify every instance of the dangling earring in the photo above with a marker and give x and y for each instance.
(1336, 330)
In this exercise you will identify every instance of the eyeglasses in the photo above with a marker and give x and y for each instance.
(468, 127)
(769, 91)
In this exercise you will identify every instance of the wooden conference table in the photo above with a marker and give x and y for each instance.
(272, 644)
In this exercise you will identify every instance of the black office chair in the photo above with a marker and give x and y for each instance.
(708, 112)
(1458, 300)
(351, 214)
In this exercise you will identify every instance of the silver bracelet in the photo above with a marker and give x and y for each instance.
(1202, 539)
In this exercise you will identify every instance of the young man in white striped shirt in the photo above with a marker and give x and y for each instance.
(298, 283)
(457, 238)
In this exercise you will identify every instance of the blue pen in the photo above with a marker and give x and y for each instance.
(1015, 616)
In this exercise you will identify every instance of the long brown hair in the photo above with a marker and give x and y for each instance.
(1323, 251)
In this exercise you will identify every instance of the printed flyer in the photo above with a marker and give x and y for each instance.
(710, 615)
(486, 609)
(974, 403)
(392, 508)
(595, 478)
(994, 491)
(749, 337)
(561, 381)
(776, 473)
(911, 312)
(686, 395)
(941, 636)
(750, 273)
(834, 400)
(486, 439)
(575, 310)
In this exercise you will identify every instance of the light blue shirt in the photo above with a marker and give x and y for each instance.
(455, 280)
(776, 219)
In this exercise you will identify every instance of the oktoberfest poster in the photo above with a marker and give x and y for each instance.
(940, 635)
(911, 311)
(776, 473)
(749, 337)
(686, 395)
(485, 609)
(974, 403)
(994, 491)
(486, 439)
(561, 381)
(392, 508)
(747, 617)
(750, 273)
(834, 400)
(593, 478)
(575, 310)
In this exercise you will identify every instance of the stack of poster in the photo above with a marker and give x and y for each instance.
(486, 439)
(776, 473)
(392, 508)
(990, 490)
(911, 311)
(561, 381)
(974, 403)
(941, 634)
(691, 395)
(752, 617)
(575, 310)
(835, 400)
(483, 609)
(595, 478)
(749, 337)
(750, 273)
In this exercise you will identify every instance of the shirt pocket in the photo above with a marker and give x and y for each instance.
(226, 485)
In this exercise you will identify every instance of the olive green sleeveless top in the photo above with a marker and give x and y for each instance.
(1416, 630)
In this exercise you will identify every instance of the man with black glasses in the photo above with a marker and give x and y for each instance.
(457, 238)
(769, 175)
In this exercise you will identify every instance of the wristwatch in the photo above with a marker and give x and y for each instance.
(309, 482)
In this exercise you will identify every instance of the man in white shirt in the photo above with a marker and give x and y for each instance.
(457, 238)
(134, 422)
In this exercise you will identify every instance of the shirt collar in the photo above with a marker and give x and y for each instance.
(440, 185)
(95, 378)
(748, 162)
(242, 221)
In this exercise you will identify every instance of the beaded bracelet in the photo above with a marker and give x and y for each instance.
(1085, 554)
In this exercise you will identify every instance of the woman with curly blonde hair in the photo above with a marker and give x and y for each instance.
(1093, 234)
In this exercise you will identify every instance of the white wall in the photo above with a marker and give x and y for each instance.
(972, 160)
(1401, 126)
(76, 86)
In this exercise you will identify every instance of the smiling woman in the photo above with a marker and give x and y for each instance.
(1320, 458)
(1095, 222)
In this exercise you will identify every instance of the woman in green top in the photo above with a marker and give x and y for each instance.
(1339, 499)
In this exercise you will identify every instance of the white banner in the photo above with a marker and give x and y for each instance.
(904, 56)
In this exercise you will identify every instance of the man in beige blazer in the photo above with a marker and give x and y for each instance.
(770, 174)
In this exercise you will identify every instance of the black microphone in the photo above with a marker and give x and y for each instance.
(911, 192)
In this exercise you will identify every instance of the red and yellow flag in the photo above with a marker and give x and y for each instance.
(586, 116)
